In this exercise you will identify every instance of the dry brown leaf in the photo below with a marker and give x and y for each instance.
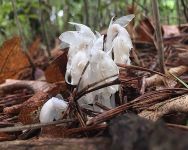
(170, 30)
(56, 70)
(13, 60)
(6, 137)
(145, 31)
(34, 47)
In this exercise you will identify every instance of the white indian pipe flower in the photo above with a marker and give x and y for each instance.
(52, 110)
(85, 46)
(79, 40)
(102, 66)
(84, 30)
(118, 40)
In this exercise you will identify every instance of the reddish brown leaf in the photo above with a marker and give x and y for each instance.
(34, 47)
(145, 31)
(56, 70)
(7, 137)
(13, 60)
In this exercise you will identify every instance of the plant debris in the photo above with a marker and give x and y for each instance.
(96, 86)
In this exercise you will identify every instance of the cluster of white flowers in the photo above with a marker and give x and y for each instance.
(85, 46)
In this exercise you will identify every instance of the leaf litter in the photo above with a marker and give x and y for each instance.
(141, 89)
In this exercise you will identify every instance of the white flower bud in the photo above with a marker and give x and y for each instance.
(52, 110)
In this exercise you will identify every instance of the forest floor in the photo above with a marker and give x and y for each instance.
(151, 110)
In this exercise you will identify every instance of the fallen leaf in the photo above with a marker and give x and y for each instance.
(56, 70)
(33, 49)
(170, 30)
(145, 31)
(7, 137)
(183, 58)
(13, 59)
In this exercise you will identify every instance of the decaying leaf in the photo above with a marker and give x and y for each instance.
(145, 31)
(34, 47)
(155, 112)
(183, 58)
(7, 137)
(170, 30)
(13, 60)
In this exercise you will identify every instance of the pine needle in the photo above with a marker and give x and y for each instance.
(179, 80)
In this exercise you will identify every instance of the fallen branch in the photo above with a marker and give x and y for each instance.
(160, 46)
(58, 143)
(140, 68)
(34, 86)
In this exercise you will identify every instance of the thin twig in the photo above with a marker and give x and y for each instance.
(182, 127)
(160, 46)
(184, 9)
(42, 22)
(140, 101)
(86, 12)
(87, 64)
(95, 83)
(35, 126)
(22, 37)
(114, 82)
(140, 68)
(80, 118)
(86, 129)
(102, 106)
